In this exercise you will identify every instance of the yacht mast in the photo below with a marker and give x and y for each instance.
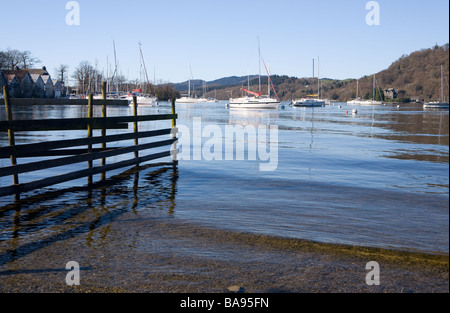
(259, 64)
(442, 83)
(189, 80)
(318, 79)
(357, 89)
(373, 87)
(313, 76)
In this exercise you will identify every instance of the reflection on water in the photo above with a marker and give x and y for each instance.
(378, 177)
(38, 221)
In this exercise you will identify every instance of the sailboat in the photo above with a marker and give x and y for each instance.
(311, 102)
(372, 101)
(256, 100)
(438, 104)
(141, 99)
(358, 99)
(188, 99)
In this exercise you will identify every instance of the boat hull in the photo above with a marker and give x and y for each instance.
(254, 104)
(142, 101)
(185, 100)
(364, 102)
(308, 103)
(436, 105)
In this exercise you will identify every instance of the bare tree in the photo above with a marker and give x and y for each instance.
(13, 58)
(61, 71)
(10, 59)
(3, 60)
(87, 77)
(27, 60)
(82, 76)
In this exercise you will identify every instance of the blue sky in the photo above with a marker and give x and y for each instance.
(219, 38)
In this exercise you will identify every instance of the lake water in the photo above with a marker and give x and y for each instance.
(378, 177)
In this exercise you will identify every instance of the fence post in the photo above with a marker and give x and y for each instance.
(103, 161)
(136, 129)
(11, 138)
(90, 115)
(173, 148)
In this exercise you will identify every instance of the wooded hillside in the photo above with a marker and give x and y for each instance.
(417, 75)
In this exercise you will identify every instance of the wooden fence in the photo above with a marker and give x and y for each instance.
(72, 151)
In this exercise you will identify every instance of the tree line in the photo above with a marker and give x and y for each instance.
(88, 78)
(11, 59)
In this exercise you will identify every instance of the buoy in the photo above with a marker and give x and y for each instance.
(346, 112)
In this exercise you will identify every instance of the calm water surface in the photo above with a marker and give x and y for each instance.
(377, 178)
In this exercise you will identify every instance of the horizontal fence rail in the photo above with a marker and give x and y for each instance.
(119, 122)
(79, 150)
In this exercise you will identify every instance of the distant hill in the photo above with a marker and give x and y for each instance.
(220, 83)
(416, 75)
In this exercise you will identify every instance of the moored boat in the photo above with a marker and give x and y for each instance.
(257, 101)
(307, 102)
(438, 104)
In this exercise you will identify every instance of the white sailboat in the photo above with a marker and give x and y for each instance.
(188, 99)
(141, 99)
(360, 101)
(256, 100)
(311, 102)
(438, 104)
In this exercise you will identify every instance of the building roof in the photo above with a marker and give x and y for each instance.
(20, 74)
(46, 78)
(35, 77)
(11, 77)
(40, 71)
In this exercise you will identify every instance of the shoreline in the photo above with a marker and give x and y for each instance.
(123, 247)
(160, 255)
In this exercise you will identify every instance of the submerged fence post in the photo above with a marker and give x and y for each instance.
(90, 116)
(11, 138)
(103, 160)
(136, 129)
(173, 148)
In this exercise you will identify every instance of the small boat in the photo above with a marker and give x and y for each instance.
(311, 102)
(142, 100)
(359, 101)
(355, 101)
(438, 104)
(187, 100)
(370, 102)
(257, 101)
(307, 102)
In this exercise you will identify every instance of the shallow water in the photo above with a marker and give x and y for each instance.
(375, 178)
